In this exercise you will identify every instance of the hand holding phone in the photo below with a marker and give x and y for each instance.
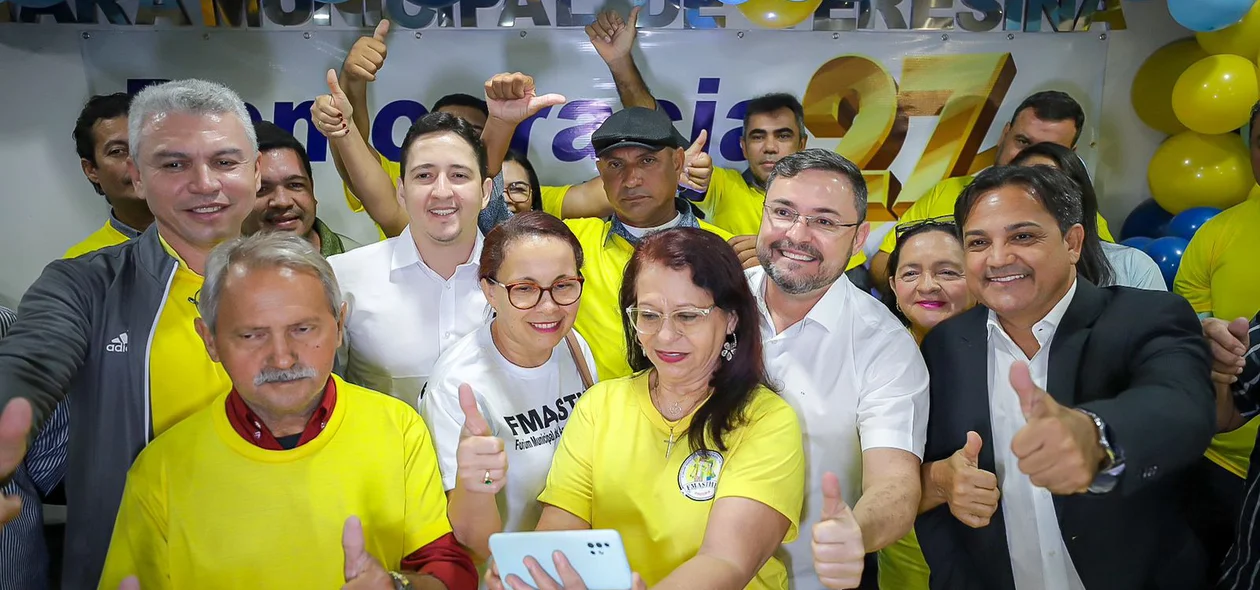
(560, 560)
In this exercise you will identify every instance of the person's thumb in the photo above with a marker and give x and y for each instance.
(971, 450)
(1239, 328)
(131, 583)
(334, 88)
(833, 500)
(697, 146)
(352, 545)
(15, 428)
(382, 29)
(547, 100)
(633, 18)
(474, 423)
(1032, 400)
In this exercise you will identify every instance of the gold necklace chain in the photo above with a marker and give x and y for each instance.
(676, 409)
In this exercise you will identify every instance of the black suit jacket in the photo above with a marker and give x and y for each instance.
(1138, 360)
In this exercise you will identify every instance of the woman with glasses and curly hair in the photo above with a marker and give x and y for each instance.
(504, 393)
(692, 458)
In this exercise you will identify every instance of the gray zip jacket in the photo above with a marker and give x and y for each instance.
(85, 330)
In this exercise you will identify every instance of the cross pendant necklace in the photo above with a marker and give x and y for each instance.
(669, 444)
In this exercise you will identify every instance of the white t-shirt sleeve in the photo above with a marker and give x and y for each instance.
(439, 407)
(892, 409)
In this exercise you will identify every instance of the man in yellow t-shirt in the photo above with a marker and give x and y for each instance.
(100, 138)
(112, 329)
(1218, 277)
(1048, 116)
(640, 156)
(317, 460)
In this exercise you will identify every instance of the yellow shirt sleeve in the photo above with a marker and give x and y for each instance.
(570, 485)
(139, 544)
(718, 186)
(1194, 275)
(356, 206)
(425, 519)
(1104, 232)
(769, 465)
(553, 199)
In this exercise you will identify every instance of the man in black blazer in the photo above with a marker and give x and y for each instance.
(1088, 402)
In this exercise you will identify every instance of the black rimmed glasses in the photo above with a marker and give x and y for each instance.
(784, 217)
(649, 321)
(939, 221)
(525, 295)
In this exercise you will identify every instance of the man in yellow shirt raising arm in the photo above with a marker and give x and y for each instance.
(1049, 116)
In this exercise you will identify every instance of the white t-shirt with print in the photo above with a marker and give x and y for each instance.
(526, 408)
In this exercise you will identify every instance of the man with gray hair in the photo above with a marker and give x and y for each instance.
(290, 452)
(849, 368)
(114, 328)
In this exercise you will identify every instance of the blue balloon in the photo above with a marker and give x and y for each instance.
(1147, 220)
(1139, 242)
(1167, 253)
(1189, 221)
(1208, 15)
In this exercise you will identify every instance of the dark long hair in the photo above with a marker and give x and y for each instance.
(714, 268)
(1094, 265)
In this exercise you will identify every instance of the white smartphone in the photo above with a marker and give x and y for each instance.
(597, 555)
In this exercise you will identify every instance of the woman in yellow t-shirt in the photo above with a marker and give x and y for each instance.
(693, 458)
(929, 287)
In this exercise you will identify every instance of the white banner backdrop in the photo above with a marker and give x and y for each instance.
(910, 108)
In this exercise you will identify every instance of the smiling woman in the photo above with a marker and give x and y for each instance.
(693, 459)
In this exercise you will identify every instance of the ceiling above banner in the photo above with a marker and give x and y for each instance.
(963, 16)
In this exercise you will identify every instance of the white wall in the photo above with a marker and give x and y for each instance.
(44, 86)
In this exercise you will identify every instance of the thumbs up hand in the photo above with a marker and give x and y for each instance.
(972, 493)
(481, 459)
(331, 112)
(1058, 448)
(839, 551)
(697, 165)
(612, 37)
(366, 56)
(361, 569)
(512, 98)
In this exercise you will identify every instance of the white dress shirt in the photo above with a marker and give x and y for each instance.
(1039, 558)
(857, 381)
(403, 315)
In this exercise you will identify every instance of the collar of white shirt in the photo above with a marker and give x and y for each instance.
(1043, 330)
(827, 312)
(406, 254)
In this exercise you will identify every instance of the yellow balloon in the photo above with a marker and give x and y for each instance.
(1151, 93)
(778, 14)
(1241, 38)
(1195, 170)
(1215, 94)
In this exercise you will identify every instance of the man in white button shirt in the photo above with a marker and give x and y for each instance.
(412, 296)
(1087, 473)
(851, 369)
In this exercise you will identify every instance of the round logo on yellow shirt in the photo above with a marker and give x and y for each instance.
(698, 476)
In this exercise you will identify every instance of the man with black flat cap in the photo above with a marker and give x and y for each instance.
(639, 157)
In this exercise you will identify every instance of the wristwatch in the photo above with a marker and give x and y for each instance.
(1113, 466)
(400, 581)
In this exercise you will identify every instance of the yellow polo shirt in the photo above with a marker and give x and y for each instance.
(102, 238)
(182, 378)
(737, 207)
(1218, 277)
(599, 318)
(204, 508)
(394, 170)
(611, 470)
(939, 202)
(552, 198)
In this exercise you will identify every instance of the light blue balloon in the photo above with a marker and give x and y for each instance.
(1208, 15)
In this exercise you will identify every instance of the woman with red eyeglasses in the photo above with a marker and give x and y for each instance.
(504, 393)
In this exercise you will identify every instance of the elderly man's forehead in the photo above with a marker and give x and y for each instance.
(632, 152)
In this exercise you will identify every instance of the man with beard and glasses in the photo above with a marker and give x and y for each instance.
(286, 199)
(290, 478)
(849, 368)
(100, 138)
